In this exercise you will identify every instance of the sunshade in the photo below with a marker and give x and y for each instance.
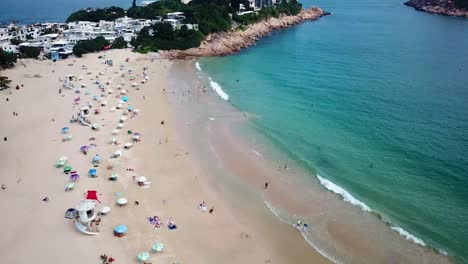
(96, 158)
(121, 229)
(71, 213)
(122, 201)
(92, 195)
(70, 185)
(65, 130)
(158, 247)
(67, 169)
(125, 98)
(105, 210)
(130, 108)
(74, 176)
(120, 125)
(128, 145)
(143, 256)
(114, 176)
(115, 132)
(84, 148)
(113, 109)
(141, 179)
(92, 172)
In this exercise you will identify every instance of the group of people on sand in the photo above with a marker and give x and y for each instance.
(106, 260)
(157, 222)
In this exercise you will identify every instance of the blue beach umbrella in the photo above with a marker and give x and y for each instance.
(95, 97)
(158, 247)
(65, 130)
(121, 229)
(125, 98)
(143, 256)
(130, 108)
(92, 172)
(96, 159)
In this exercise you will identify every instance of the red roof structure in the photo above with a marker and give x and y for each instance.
(92, 195)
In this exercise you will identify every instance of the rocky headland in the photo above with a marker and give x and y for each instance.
(224, 43)
(441, 7)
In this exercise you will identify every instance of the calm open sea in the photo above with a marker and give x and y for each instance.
(374, 101)
(32, 11)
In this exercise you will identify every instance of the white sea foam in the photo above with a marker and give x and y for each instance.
(343, 193)
(304, 235)
(197, 65)
(408, 236)
(256, 152)
(217, 88)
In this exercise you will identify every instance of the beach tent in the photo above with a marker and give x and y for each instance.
(92, 195)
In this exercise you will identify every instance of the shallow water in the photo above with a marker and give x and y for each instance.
(373, 100)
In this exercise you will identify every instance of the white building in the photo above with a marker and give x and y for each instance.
(9, 48)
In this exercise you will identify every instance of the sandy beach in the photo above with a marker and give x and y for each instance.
(36, 231)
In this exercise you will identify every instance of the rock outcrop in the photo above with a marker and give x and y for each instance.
(224, 43)
(441, 7)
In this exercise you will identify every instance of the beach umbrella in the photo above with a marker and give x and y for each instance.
(101, 86)
(67, 169)
(95, 97)
(84, 148)
(105, 210)
(71, 213)
(125, 98)
(118, 153)
(119, 106)
(113, 109)
(83, 85)
(158, 247)
(115, 132)
(110, 91)
(65, 130)
(141, 179)
(103, 103)
(96, 126)
(119, 87)
(74, 176)
(69, 186)
(122, 201)
(60, 163)
(67, 137)
(130, 108)
(123, 92)
(114, 176)
(143, 256)
(113, 140)
(96, 159)
(123, 118)
(120, 125)
(128, 145)
(92, 172)
(121, 229)
(146, 77)
(136, 111)
(134, 84)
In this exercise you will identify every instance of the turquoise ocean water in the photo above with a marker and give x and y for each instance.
(375, 100)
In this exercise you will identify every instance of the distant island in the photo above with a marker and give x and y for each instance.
(457, 8)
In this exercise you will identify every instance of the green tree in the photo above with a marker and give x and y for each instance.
(88, 46)
(29, 52)
(7, 59)
(95, 15)
(15, 41)
(119, 43)
(4, 83)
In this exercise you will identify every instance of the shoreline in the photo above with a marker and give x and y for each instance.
(225, 43)
(297, 192)
(433, 8)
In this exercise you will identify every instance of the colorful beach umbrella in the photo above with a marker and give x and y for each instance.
(143, 256)
(65, 130)
(130, 108)
(69, 186)
(158, 247)
(60, 163)
(128, 145)
(125, 98)
(92, 172)
(114, 176)
(121, 229)
(74, 176)
(141, 179)
(67, 169)
(84, 148)
(105, 210)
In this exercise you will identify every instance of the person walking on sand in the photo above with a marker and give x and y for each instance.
(266, 185)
